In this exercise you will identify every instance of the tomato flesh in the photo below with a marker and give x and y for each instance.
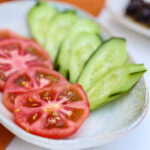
(55, 112)
(17, 54)
(27, 80)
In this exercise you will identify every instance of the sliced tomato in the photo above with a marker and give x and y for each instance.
(27, 80)
(18, 54)
(55, 112)
(7, 34)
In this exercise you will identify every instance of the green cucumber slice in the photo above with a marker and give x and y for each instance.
(135, 72)
(82, 25)
(58, 29)
(111, 53)
(113, 84)
(82, 48)
(39, 18)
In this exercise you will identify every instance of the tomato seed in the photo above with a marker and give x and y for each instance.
(45, 94)
(69, 93)
(49, 110)
(57, 118)
(30, 100)
(55, 114)
(35, 116)
(17, 110)
(46, 98)
(24, 83)
(35, 105)
(60, 96)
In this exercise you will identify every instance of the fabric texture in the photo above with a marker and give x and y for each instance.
(91, 6)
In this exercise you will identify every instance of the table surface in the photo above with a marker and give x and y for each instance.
(139, 49)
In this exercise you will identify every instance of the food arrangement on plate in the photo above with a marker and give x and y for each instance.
(51, 86)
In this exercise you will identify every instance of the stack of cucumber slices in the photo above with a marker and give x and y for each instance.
(82, 56)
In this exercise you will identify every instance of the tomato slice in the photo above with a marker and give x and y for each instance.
(7, 34)
(55, 112)
(19, 54)
(27, 80)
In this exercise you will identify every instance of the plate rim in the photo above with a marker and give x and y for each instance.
(115, 134)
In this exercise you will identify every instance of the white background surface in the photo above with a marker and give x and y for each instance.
(139, 49)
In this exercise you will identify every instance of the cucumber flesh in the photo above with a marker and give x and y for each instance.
(135, 71)
(82, 25)
(83, 46)
(111, 54)
(39, 18)
(58, 29)
(113, 84)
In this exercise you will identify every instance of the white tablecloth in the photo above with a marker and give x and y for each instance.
(139, 49)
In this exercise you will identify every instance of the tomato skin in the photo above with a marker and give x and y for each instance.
(7, 34)
(12, 88)
(39, 127)
(28, 53)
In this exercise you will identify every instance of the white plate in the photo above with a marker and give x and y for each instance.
(117, 9)
(104, 125)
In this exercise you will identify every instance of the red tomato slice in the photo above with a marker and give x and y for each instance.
(55, 112)
(18, 54)
(7, 34)
(27, 80)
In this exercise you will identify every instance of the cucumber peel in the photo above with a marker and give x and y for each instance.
(110, 54)
(82, 48)
(114, 83)
(39, 18)
(58, 29)
(81, 25)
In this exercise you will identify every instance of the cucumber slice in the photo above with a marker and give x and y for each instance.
(39, 18)
(113, 84)
(58, 29)
(82, 25)
(111, 53)
(83, 46)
